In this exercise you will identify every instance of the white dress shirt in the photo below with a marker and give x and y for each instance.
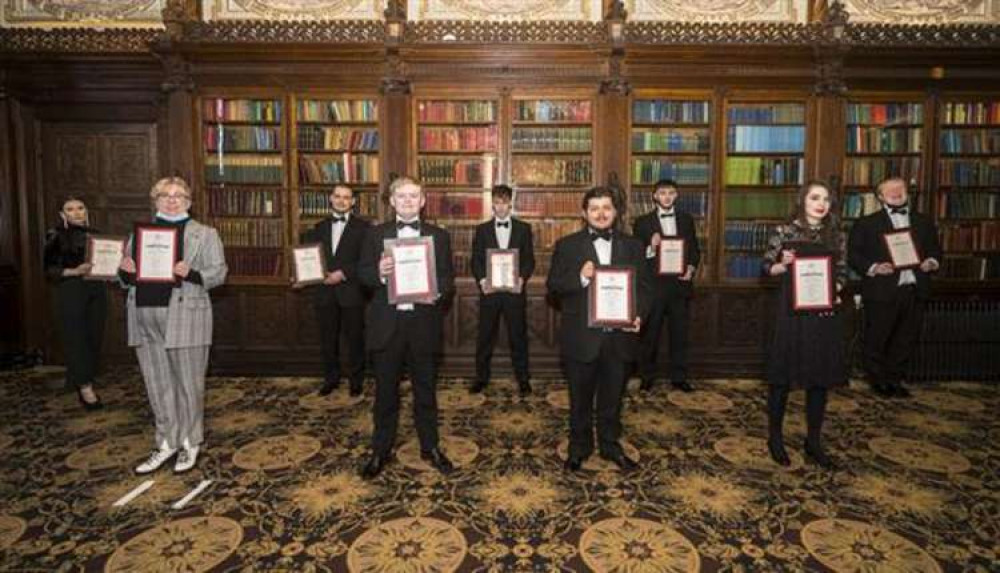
(337, 231)
(503, 233)
(603, 248)
(667, 224)
(406, 233)
(902, 221)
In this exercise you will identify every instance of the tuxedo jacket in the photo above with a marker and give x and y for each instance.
(382, 317)
(576, 339)
(349, 292)
(644, 228)
(520, 239)
(866, 247)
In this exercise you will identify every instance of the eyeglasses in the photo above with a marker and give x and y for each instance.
(169, 196)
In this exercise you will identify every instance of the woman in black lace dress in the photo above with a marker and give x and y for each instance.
(82, 305)
(807, 350)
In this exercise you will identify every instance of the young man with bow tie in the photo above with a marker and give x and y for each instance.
(503, 231)
(340, 301)
(893, 298)
(405, 334)
(594, 359)
(671, 293)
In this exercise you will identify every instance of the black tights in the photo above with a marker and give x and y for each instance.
(777, 401)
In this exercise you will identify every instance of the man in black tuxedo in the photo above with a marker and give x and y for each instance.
(405, 334)
(340, 300)
(503, 231)
(893, 298)
(671, 293)
(595, 359)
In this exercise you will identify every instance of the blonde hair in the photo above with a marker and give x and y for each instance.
(161, 186)
(401, 182)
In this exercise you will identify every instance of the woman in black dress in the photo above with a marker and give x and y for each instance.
(808, 348)
(82, 305)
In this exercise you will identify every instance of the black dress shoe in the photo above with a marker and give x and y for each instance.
(883, 390)
(819, 457)
(477, 388)
(437, 459)
(328, 387)
(357, 389)
(573, 464)
(647, 384)
(376, 463)
(90, 406)
(683, 386)
(778, 453)
(624, 463)
(524, 388)
(899, 391)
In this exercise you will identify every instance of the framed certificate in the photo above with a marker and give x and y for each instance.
(155, 253)
(670, 257)
(902, 249)
(309, 264)
(104, 253)
(611, 298)
(413, 278)
(502, 269)
(812, 283)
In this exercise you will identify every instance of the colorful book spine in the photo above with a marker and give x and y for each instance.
(454, 206)
(972, 113)
(531, 171)
(437, 138)
(240, 110)
(326, 138)
(760, 114)
(241, 138)
(767, 138)
(251, 232)
(452, 171)
(970, 142)
(969, 237)
(739, 266)
(861, 139)
(221, 168)
(253, 263)
(678, 140)
(456, 111)
(345, 168)
(553, 111)
(970, 173)
(859, 204)
(670, 111)
(338, 111)
(747, 235)
(551, 139)
(245, 202)
(870, 171)
(683, 170)
(965, 205)
(765, 170)
(885, 113)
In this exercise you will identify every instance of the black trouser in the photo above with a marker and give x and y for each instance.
(333, 320)
(777, 402)
(892, 329)
(405, 346)
(605, 379)
(675, 309)
(83, 308)
(512, 308)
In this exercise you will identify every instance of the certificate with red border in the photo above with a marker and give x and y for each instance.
(413, 278)
(812, 283)
(105, 254)
(611, 297)
(502, 270)
(155, 253)
(309, 264)
(670, 257)
(902, 249)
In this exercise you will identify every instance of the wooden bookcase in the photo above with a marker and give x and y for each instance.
(243, 176)
(336, 139)
(764, 165)
(671, 138)
(968, 180)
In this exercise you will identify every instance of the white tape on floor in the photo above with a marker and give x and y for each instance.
(139, 490)
(191, 495)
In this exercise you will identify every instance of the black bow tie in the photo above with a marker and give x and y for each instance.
(400, 225)
(340, 219)
(898, 210)
(666, 214)
(503, 223)
(605, 234)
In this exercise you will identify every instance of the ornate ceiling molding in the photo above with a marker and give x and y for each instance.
(924, 11)
(483, 32)
(266, 31)
(78, 40)
(120, 13)
(293, 10)
(789, 11)
(505, 10)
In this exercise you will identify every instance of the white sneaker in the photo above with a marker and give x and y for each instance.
(186, 458)
(157, 458)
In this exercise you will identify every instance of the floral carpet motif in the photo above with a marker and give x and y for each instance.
(916, 492)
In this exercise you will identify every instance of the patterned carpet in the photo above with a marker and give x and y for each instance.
(919, 490)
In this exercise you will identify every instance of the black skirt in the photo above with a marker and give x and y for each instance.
(807, 350)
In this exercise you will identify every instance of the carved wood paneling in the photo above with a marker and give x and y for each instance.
(488, 32)
(78, 40)
(273, 32)
(714, 33)
(305, 329)
(795, 11)
(227, 327)
(94, 13)
(267, 321)
(505, 10)
(924, 11)
(741, 319)
(292, 9)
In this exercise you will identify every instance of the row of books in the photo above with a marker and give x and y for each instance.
(671, 111)
(242, 137)
(694, 203)
(969, 205)
(244, 169)
(529, 171)
(884, 140)
(767, 138)
(461, 237)
(963, 172)
(468, 111)
(317, 203)
(870, 171)
(552, 110)
(454, 206)
(251, 232)
(535, 204)
(765, 170)
(222, 110)
(458, 138)
(859, 204)
(980, 113)
(253, 263)
(347, 168)
(687, 140)
(547, 231)
(984, 236)
(451, 171)
(747, 235)
(245, 202)
(751, 205)
(744, 266)
(760, 114)
(338, 111)
(551, 139)
(683, 170)
(971, 268)
(337, 138)
(885, 113)
(960, 141)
